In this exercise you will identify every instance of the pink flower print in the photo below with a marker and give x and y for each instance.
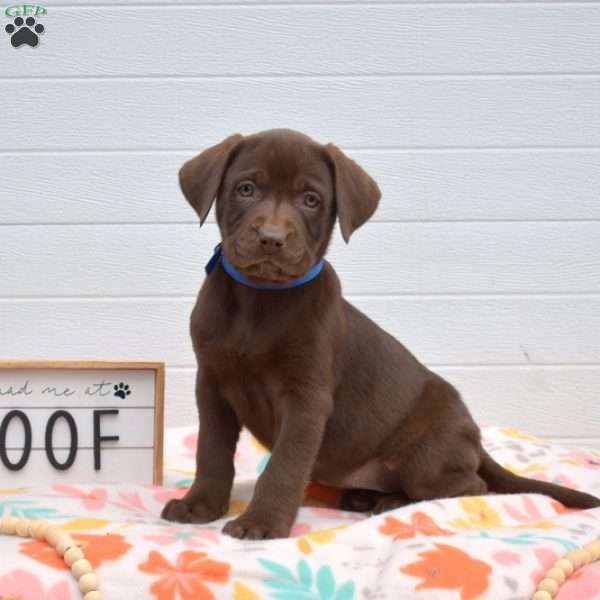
(131, 501)
(93, 500)
(581, 458)
(26, 586)
(190, 442)
(531, 512)
(506, 557)
(560, 479)
(190, 537)
(546, 558)
(163, 495)
(300, 529)
(584, 584)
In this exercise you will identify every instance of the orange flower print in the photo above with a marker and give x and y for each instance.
(420, 524)
(449, 568)
(97, 548)
(561, 509)
(186, 579)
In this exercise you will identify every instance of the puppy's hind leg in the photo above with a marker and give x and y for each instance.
(390, 502)
(358, 500)
(371, 501)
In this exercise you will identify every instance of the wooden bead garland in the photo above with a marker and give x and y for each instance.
(64, 545)
(563, 568)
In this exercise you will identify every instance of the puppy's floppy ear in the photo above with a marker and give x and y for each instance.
(356, 193)
(201, 176)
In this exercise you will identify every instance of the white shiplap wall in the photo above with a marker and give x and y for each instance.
(481, 121)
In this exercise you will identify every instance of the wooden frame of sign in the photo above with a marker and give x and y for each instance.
(90, 405)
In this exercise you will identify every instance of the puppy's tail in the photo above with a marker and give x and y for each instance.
(501, 481)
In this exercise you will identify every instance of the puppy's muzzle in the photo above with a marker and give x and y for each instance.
(271, 239)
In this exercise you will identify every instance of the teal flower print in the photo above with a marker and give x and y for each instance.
(26, 509)
(184, 483)
(303, 585)
(526, 539)
(264, 461)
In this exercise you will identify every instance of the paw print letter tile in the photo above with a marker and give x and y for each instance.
(122, 390)
(24, 31)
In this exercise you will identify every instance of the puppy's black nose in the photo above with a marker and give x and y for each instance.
(271, 238)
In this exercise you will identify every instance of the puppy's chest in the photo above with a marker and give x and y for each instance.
(249, 383)
(255, 362)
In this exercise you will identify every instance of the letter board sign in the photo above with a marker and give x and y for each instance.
(81, 422)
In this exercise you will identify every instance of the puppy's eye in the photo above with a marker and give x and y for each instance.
(311, 200)
(246, 189)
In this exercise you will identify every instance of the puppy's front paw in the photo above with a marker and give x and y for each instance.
(251, 527)
(181, 511)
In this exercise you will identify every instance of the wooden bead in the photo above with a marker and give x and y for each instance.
(564, 565)
(22, 527)
(594, 549)
(53, 534)
(80, 568)
(548, 585)
(39, 529)
(576, 557)
(72, 555)
(557, 574)
(8, 525)
(586, 556)
(64, 543)
(88, 583)
(32, 525)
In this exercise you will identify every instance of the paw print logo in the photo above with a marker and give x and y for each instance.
(24, 32)
(122, 390)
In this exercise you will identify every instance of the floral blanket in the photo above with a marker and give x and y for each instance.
(493, 547)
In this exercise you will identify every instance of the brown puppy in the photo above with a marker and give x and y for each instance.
(336, 399)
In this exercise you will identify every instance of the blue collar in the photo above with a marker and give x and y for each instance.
(218, 256)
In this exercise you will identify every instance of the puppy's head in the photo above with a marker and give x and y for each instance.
(278, 194)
